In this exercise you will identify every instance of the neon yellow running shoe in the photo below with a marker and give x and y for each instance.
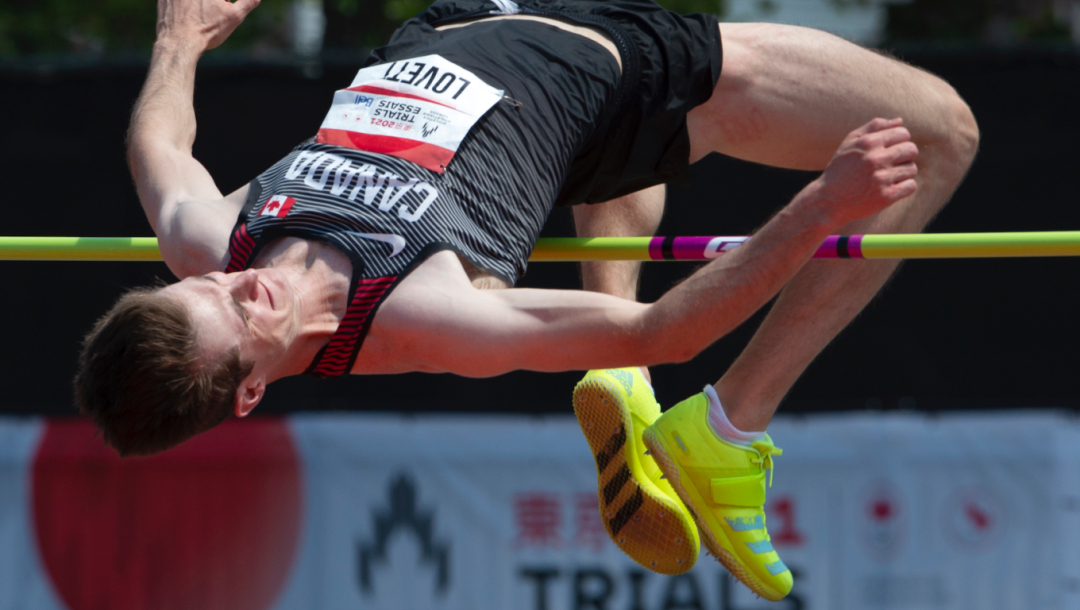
(639, 509)
(723, 486)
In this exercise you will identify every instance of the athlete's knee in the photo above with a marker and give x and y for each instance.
(965, 133)
(962, 133)
(949, 135)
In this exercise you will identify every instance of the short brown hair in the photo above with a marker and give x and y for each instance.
(141, 379)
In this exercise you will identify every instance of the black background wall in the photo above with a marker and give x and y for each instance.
(945, 334)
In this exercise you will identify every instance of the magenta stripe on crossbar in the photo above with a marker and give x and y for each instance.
(854, 246)
(656, 252)
(828, 248)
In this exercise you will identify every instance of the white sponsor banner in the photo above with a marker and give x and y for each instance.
(24, 583)
(902, 511)
(466, 513)
(473, 513)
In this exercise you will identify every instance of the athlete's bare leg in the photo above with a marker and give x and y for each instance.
(635, 215)
(786, 97)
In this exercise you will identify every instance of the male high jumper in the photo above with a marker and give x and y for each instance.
(380, 245)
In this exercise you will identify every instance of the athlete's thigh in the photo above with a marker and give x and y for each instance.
(788, 95)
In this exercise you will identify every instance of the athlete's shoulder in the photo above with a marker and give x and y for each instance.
(197, 240)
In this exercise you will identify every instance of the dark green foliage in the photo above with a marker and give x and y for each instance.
(92, 27)
(364, 24)
(29, 27)
(989, 21)
(109, 26)
(715, 7)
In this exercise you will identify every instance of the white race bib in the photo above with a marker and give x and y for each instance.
(418, 109)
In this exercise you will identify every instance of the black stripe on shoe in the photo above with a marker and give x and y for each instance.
(614, 445)
(626, 512)
(616, 483)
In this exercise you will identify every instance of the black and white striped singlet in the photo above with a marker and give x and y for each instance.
(389, 215)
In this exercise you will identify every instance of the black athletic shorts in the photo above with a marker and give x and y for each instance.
(670, 64)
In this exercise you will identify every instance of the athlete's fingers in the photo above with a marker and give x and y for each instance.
(900, 190)
(893, 136)
(896, 174)
(876, 125)
(870, 143)
(904, 152)
(884, 138)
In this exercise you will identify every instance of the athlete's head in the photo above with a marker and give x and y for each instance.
(166, 364)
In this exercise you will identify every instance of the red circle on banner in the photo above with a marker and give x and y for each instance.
(212, 524)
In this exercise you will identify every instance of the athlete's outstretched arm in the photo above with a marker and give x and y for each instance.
(481, 333)
(162, 127)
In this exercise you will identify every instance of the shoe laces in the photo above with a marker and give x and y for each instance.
(766, 450)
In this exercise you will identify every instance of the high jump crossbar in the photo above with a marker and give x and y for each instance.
(568, 249)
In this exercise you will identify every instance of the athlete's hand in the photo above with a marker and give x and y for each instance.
(873, 168)
(203, 23)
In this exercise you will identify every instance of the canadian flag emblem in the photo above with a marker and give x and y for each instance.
(278, 205)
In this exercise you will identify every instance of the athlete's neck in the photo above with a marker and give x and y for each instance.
(319, 278)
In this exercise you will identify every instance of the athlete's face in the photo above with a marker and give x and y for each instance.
(255, 310)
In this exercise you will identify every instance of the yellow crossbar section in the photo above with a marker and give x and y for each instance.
(568, 249)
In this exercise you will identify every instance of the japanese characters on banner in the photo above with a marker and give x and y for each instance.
(470, 513)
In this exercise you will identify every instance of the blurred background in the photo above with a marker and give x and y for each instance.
(932, 448)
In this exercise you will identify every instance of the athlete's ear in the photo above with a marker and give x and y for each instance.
(248, 395)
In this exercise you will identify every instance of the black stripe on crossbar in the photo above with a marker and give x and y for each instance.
(667, 248)
(841, 246)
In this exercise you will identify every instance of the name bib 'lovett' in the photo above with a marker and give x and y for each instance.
(418, 109)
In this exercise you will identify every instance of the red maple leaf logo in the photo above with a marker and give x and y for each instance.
(278, 205)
